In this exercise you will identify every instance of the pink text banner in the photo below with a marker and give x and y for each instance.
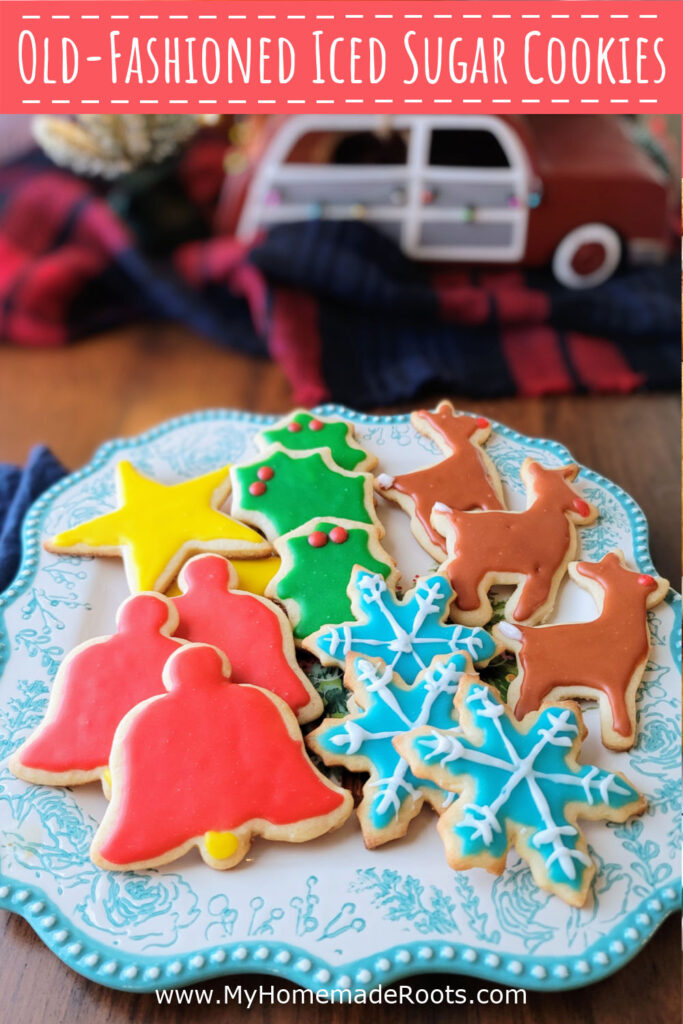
(354, 56)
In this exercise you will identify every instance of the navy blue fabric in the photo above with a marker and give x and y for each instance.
(384, 336)
(19, 488)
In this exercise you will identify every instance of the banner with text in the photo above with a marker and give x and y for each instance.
(313, 55)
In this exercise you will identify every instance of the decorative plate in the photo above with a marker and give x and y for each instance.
(329, 914)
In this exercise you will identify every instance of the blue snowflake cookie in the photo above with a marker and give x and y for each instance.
(518, 785)
(362, 741)
(407, 634)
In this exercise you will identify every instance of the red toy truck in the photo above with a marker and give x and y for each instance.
(577, 192)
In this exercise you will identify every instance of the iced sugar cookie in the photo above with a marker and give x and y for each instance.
(253, 575)
(603, 660)
(465, 479)
(318, 560)
(210, 764)
(157, 526)
(518, 785)
(253, 632)
(96, 684)
(362, 741)
(406, 633)
(530, 549)
(301, 431)
(282, 490)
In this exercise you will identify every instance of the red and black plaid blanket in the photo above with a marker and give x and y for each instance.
(347, 316)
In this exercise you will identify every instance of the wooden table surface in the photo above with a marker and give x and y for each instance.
(121, 383)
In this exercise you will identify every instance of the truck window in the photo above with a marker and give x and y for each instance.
(350, 148)
(370, 148)
(466, 147)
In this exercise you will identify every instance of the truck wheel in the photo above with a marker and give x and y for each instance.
(587, 256)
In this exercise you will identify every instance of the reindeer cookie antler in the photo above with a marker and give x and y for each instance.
(531, 548)
(465, 479)
(602, 660)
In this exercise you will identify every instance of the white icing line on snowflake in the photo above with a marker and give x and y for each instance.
(427, 637)
(483, 821)
(381, 686)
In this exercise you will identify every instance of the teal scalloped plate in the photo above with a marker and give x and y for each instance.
(330, 914)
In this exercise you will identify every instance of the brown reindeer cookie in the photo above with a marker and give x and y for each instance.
(465, 479)
(530, 549)
(602, 660)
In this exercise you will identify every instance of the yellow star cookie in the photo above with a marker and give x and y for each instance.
(158, 526)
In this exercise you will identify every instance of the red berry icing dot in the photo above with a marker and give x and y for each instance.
(257, 488)
(265, 473)
(316, 425)
(645, 580)
(317, 539)
(294, 427)
(338, 535)
(482, 422)
(582, 507)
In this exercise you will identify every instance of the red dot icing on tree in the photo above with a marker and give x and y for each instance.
(265, 473)
(582, 507)
(257, 488)
(482, 422)
(316, 425)
(294, 427)
(338, 535)
(317, 539)
(645, 580)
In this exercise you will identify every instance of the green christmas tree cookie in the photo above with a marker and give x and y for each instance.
(318, 560)
(282, 490)
(303, 432)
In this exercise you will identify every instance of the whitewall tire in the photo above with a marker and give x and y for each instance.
(587, 256)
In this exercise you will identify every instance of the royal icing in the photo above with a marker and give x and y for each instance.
(156, 527)
(315, 573)
(530, 548)
(302, 486)
(210, 757)
(407, 634)
(253, 633)
(520, 787)
(465, 479)
(221, 845)
(604, 658)
(362, 741)
(95, 686)
(302, 431)
(253, 575)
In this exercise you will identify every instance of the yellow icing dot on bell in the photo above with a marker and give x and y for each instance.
(106, 780)
(221, 845)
